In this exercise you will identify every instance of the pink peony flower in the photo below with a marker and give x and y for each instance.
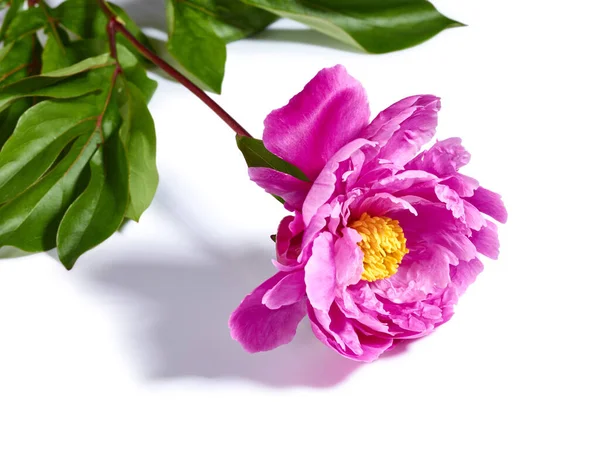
(384, 237)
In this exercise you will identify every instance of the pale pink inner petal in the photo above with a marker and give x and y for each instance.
(348, 258)
(320, 273)
(287, 291)
(325, 185)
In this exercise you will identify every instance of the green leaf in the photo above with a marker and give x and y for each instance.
(257, 155)
(53, 57)
(135, 72)
(15, 7)
(194, 43)
(82, 66)
(9, 118)
(41, 135)
(15, 59)
(87, 21)
(231, 19)
(25, 23)
(58, 84)
(375, 26)
(56, 55)
(138, 137)
(30, 221)
(99, 211)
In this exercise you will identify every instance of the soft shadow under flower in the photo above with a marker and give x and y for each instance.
(182, 309)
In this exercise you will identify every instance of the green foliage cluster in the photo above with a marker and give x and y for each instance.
(77, 141)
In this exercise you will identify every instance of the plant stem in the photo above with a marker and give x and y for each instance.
(115, 26)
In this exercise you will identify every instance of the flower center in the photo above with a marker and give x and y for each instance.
(383, 245)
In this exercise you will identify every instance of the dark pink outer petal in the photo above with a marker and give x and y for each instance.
(329, 112)
(291, 189)
(486, 240)
(288, 242)
(403, 128)
(490, 203)
(259, 328)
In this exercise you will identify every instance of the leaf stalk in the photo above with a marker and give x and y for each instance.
(115, 26)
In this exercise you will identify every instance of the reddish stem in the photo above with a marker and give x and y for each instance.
(114, 26)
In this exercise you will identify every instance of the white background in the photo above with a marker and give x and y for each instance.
(131, 349)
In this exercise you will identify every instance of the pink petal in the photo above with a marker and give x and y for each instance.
(465, 273)
(336, 331)
(403, 128)
(330, 111)
(486, 240)
(325, 184)
(287, 291)
(450, 198)
(348, 258)
(259, 328)
(320, 273)
(461, 209)
(291, 189)
(368, 319)
(461, 184)
(405, 180)
(381, 204)
(490, 203)
(288, 240)
(442, 159)
(473, 218)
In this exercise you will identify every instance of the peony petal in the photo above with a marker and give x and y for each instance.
(461, 209)
(405, 180)
(287, 291)
(336, 331)
(381, 204)
(453, 202)
(403, 128)
(259, 328)
(320, 273)
(291, 189)
(366, 319)
(473, 218)
(325, 185)
(461, 184)
(348, 258)
(486, 240)
(465, 273)
(490, 203)
(330, 111)
(442, 159)
(288, 240)
(390, 120)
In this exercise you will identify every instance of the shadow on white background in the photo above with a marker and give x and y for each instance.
(179, 311)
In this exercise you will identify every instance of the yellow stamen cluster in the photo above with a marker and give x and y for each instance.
(383, 245)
